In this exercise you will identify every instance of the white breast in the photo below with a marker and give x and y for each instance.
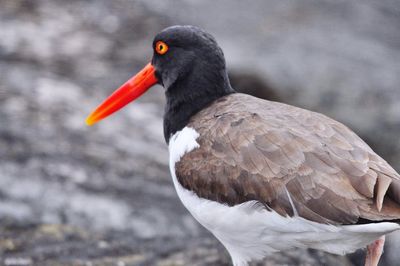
(250, 232)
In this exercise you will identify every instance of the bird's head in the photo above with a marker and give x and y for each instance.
(186, 61)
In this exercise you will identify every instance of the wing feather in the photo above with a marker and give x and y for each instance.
(293, 161)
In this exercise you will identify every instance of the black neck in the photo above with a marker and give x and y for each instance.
(188, 96)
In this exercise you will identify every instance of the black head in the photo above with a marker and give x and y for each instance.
(191, 67)
(191, 52)
(189, 64)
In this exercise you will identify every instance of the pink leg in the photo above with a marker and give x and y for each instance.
(374, 252)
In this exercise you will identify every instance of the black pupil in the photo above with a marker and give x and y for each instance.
(161, 47)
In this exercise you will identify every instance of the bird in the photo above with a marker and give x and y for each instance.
(261, 176)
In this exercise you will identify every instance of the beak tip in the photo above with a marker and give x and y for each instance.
(89, 121)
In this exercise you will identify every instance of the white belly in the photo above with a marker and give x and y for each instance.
(250, 232)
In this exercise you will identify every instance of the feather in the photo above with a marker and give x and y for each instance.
(294, 161)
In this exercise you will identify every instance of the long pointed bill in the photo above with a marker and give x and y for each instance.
(131, 90)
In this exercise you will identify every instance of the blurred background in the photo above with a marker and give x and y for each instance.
(77, 195)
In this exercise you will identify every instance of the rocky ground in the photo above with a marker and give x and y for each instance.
(74, 195)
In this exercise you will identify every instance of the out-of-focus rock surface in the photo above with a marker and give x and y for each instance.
(74, 195)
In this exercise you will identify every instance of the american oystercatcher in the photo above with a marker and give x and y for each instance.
(262, 176)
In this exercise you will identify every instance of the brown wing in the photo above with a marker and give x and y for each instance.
(290, 159)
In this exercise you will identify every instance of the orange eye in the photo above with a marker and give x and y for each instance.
(161, 47)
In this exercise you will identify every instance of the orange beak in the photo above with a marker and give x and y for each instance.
(131, 90)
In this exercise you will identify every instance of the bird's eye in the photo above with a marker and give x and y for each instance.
(161, 47)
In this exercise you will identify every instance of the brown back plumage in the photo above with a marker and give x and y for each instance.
(279, 155)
